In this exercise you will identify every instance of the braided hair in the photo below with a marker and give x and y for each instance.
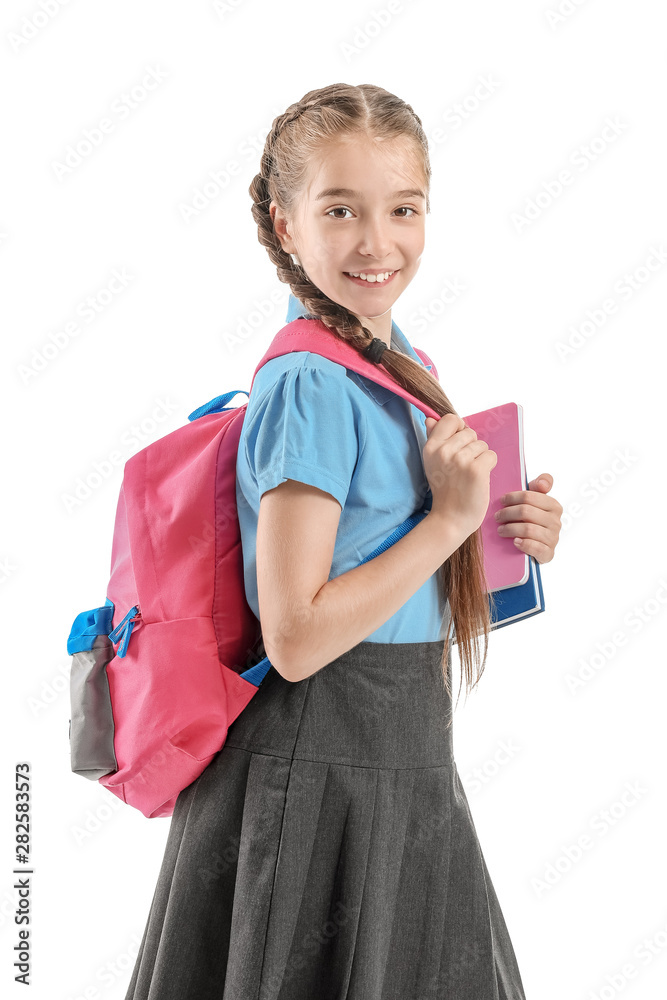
(321, 116)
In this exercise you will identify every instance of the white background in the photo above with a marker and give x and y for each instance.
(185, 328)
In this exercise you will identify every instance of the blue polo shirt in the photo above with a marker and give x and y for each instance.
(315, 421)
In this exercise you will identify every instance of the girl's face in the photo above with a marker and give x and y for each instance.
(363, 210)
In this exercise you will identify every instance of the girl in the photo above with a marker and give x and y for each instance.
(328, 852)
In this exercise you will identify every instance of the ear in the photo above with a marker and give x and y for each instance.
(280, 224)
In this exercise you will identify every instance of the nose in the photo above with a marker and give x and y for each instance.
(376, 239)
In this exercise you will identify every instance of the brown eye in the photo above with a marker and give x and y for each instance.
(339, 208)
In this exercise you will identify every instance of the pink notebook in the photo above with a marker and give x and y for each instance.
(502, 429)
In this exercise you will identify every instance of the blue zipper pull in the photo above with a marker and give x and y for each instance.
(124, 629)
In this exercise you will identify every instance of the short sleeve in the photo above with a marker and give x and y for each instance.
(306, 426)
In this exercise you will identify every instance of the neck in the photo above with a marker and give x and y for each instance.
(380, 326)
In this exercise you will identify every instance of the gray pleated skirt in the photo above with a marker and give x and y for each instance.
(328, 852)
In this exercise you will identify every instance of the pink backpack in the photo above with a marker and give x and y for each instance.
(161, 670)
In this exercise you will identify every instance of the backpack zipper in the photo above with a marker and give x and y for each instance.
(123, 629)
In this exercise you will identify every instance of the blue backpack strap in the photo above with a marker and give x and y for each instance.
(256, 674)
(217, 404)
(402, 529)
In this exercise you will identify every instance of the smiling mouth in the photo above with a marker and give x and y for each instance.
(372, 280)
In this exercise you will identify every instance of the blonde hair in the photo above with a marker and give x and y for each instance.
(341, 111)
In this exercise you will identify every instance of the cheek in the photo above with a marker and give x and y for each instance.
(328, 246)
(418, 244)
(416, 254)
(334, 248)
(314, 257)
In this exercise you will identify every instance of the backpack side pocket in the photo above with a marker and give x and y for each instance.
(91, 725)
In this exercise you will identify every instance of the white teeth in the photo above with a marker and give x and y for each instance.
(372, 277)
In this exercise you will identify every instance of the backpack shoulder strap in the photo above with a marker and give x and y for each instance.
(427, 361)
(312, 335)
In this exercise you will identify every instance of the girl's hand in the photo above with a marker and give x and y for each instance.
(533, 518)
(458, 469)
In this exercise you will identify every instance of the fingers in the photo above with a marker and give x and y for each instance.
(543, 483)
(538, 537)
(529, 513)
(449, 428)
(542, 551)
(447, 424)
(526, 499)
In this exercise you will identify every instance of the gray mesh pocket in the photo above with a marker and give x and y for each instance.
(92, 726)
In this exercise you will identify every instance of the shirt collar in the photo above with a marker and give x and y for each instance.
(296, 310)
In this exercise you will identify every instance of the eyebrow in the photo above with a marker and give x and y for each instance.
(335, 192)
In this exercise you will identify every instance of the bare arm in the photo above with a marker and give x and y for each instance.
(308, 620)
